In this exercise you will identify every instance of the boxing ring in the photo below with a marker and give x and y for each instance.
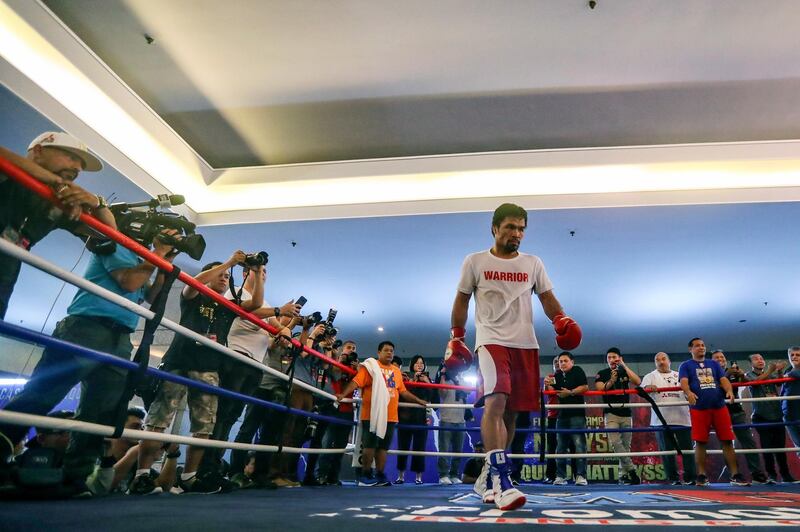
(396, 507)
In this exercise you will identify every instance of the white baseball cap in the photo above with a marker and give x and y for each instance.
(66, 142)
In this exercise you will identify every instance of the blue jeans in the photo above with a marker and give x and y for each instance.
(578, 440)
(450, 441)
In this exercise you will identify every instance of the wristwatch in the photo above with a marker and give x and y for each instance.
(101, 203)
(277, 312)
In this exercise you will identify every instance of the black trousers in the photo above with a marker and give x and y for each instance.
(259, 419)
(773, 438)
(236, 377)
(414, 440)
(518, 443)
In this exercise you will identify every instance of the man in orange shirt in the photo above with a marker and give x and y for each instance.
(373, 446)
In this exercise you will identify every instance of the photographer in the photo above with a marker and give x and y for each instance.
(98, 324)
(337, 436)
(250, 340)
(55, 159)
(191, 359)
(283, 471)
(322, 377)
(414, 439)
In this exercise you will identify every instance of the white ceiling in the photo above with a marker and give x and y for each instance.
(266, 111)
(542, 102)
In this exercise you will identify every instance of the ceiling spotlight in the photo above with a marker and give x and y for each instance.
(149, 39)
(380, 329)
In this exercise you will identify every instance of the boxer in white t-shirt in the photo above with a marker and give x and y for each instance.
(503, 280)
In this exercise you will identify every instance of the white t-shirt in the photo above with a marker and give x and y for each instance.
(247, 337)
(502, 288)
(674, 415)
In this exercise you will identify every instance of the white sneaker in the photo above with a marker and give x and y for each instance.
(560, 481)
(455, 480)
(445, 481)
(480, 483)
(510, 499)
(579, 481)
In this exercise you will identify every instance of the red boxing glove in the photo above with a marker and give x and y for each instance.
(457, 356)
(568, 333)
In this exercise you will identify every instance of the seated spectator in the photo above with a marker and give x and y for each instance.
(382, 387)
(413, 439)
(570, 382)
(473, 466)
(676, 416)
(769, 412)
(39, 466)
(791, 409)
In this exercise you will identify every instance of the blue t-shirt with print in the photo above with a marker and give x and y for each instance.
(99, 272)
(704, 382)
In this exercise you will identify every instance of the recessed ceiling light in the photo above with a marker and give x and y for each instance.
(380, 329)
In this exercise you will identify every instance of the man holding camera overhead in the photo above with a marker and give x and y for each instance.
(99, 324)
(189, 358)
(250, 340)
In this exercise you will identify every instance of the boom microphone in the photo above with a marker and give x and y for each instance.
(163, 201)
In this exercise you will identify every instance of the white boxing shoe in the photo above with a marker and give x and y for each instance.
(480, 483)
(510, 499)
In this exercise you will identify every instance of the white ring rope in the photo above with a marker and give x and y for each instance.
(668, 403)
(16, 418)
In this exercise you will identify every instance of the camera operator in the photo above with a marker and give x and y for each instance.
(56, 159)
(188, 358)
(98, 324)
(336, 436)
(248, 339)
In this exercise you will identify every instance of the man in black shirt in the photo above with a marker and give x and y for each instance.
(618, 376)
(744, 436)
(191, 359)
(55, 159)
(570, 382)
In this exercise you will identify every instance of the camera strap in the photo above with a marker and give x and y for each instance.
(657, 411)
(237, 296)
(287, 400)
(142, 356)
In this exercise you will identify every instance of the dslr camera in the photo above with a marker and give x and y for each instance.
(255, 260)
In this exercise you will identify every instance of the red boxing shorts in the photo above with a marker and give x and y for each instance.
(510, 371)
(703, 420)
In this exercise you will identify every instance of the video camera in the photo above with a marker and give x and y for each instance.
(144, 226)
